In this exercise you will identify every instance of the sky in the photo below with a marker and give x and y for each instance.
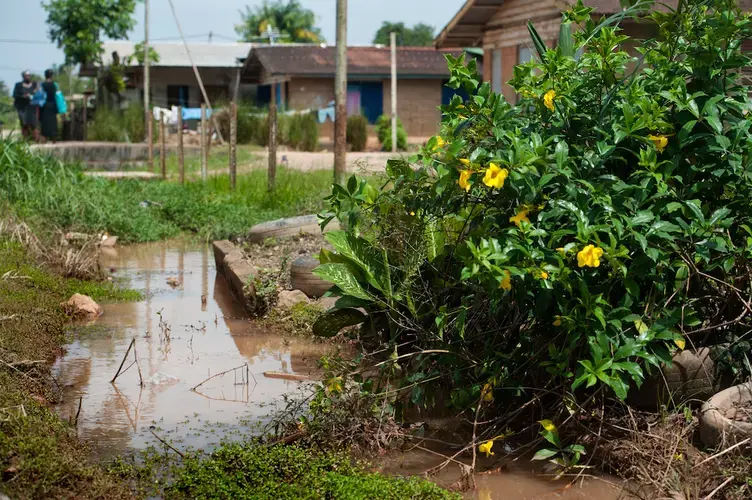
(27, 23)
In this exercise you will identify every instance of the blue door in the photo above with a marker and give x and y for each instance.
(371, 98)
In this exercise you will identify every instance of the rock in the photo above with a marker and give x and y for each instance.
(288, 298)
(327, 303)
(82, 306)
(722, 419)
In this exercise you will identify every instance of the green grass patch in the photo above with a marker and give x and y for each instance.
(40, 455)
(50, 194)
(279, 472)
(219, 160)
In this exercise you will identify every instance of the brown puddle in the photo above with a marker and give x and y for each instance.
(204, 340)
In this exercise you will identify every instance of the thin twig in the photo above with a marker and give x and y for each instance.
(740, 443)
(245, 365)
(78, 412)
(133, 341)
(167, 444)
(723, 484)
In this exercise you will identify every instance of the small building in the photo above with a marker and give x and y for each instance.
(499, 28)
(173, 82)
(304, 79)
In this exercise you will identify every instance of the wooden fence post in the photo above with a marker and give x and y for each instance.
(149, 138)
(204, 147)
(181, 158)
(272, 174)
(233, 144)
(162, 146)
(86, 113)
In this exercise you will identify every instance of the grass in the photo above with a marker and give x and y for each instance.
(39, 454)
(49, 194)
(260, 472)
(219, 160)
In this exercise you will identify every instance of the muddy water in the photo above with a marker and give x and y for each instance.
(203, 339)
(206, 339)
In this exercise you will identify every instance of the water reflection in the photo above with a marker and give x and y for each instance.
(204, 338)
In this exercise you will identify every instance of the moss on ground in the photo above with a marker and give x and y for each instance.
(40, 456)
(260, 472)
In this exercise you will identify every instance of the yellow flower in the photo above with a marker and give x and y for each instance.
(495, 176)
(412, 214)
(465, 161)
(562, 251)
(464, 178)
(440, 143)
(486, 394)
(660, 141)
(486, 448)
(557, 321)
(590, 256)
(548, 99)
(520, 217)
(506, 281)
(544, 275)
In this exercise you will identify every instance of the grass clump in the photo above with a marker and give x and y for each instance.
(39, 454)
(290, 472)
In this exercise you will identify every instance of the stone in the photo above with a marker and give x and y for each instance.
(82, 306)
(288, 298)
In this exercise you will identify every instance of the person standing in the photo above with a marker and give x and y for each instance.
(27, 113)
(48, 112)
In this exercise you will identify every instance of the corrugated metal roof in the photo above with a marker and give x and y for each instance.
(313, 60)
(173, 54)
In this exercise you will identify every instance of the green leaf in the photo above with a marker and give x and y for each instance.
(544, 454)
(695, 206)
(566, 42)
(340, 275)
(718, 215)
(562, 153)
(540, 45)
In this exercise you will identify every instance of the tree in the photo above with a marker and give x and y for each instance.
(289, 19)
(420, 35)
(69, 82)
(78, 26)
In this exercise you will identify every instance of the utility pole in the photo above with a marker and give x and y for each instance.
(393, 40)
(147, 88)
(340, 95)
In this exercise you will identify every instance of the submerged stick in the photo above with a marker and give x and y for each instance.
(296, 377)
(182, 455)
(245, 365)
(75, 420)
(133, 341)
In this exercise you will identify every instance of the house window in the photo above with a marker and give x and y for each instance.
(496, 71)
(524, 54)
(177, 95)
(366, 98)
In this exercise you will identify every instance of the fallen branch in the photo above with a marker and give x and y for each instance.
(288, 376)
(723, 484)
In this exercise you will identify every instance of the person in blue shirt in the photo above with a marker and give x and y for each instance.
(48, 112)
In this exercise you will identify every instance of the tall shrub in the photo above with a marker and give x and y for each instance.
(357, 132)
(579, 238)
(310, 132)
(384, 133)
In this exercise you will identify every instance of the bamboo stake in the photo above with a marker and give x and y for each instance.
(272, 173)
(204, 148)
(219, 375)
(181, 158)
(162, 146)
(233, 144)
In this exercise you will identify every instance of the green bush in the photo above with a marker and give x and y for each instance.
(357, 132)
(295, 130)
(310, 129)
(384, 133)
(106, 126)
(578, 238)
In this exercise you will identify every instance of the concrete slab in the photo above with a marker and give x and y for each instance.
(147, 176)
